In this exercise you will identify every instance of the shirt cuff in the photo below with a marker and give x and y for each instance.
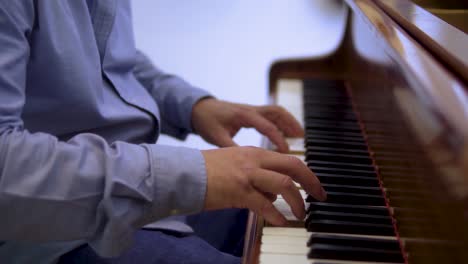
(181, 131)
(179, 176)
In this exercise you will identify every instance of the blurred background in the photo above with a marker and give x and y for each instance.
(227, 47)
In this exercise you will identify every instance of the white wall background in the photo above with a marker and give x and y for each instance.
(227, 46)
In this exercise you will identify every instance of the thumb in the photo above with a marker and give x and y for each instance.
(223, 139)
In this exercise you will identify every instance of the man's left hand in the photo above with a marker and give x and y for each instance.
(218, 122)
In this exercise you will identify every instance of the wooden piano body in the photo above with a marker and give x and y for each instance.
(406, 73)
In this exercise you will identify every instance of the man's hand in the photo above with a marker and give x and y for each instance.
(249, 177)
(218, 121)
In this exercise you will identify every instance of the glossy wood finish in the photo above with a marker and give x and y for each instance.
(446, 42)
(382, 64)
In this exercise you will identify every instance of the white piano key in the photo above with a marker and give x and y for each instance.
(302, 192)
(270, 258)
(284, 240)
(336, 261)
(296, 145)
(284, 249)
(284, 208)
(283, 259)
(289, 94)
(299, 231)
(288, 245)
(289, 231)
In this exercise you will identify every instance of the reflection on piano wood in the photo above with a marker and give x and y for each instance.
(387, 147)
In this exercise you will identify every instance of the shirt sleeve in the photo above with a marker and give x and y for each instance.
(174, 96)
(84, 188)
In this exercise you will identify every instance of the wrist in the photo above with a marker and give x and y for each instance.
(198, 111)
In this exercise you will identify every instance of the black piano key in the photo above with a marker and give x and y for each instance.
(315, 107)
(335, 144)
(334, 150)
(334, 103)
(347, 180)
(334, 119)
(344, 227)
(322, 115)
(313, 155)
(338, 150)
(329, 107)
(343, 172)
(351, 198)
(325, 93)
(327, 251)
(339, 138)
(333, 123)
(365, 242)
(335, 133)
(339, 165)
(327, 104)
(345, 208)
(348, 217)
(311, 99)
(339, 134)
(352, 189)
(319, 87)
(321, 127)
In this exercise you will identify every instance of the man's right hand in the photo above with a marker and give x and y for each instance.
(250, 177)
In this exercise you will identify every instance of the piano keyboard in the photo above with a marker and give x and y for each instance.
(353, 225)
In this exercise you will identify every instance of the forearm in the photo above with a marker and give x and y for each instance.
(87, 189)
(174, 96)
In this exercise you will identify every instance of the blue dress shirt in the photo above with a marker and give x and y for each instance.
(80, 109)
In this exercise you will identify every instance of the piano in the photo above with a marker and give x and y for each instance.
(386, 121)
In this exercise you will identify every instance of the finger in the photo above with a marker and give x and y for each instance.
(277, 183)
(262, 206)
(296, 169)
(283, 119)
(223, 139)
(270, 196)
(267, 128)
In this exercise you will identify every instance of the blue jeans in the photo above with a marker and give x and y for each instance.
(218, 238)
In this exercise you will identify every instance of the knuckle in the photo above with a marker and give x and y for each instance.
(271, 128)
(277, 108)
(265, 207)
(240, 112)
(237, 114)
(248, 169)
(282, 110)
(243, 182)
(251, 151)
(296, 162)
(286, 183)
